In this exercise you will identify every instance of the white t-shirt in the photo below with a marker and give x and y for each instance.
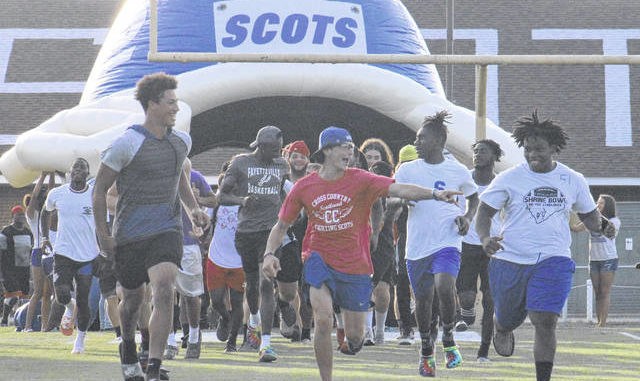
(602, 248)
(222, 250)
(472, 236)
(76, 237)
(431, 224)
(536, 211)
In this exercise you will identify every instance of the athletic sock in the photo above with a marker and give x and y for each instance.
(306, 334)
(69, 308)
(254, 320)
(194, 335)
(171, 339)
(447, 335)
(144, 334)
(543, 370)
(118, 331)
(427, 345)
(381, 318)
(153, 366)
(128, 355)
(370, 319)
(79, 344)
(266, 341)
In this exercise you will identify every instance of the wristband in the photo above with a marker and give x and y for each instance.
(267, 254)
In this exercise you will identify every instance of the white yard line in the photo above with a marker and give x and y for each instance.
(630, 335)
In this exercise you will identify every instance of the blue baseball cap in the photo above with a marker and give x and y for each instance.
(330, 136)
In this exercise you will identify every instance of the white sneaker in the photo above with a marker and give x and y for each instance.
(379, 339)
(368, 337)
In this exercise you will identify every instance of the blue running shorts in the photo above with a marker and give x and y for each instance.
(516, 288)
(421, 271)
(349, 291)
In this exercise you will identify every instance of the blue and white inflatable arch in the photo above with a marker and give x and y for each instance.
(404, 93)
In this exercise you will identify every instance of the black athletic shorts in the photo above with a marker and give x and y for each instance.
(105, 270)
(251, 246)
(290, 262)
(474, 263)
(384, 265)
(16, 280)
(65, 269)
(135, 258)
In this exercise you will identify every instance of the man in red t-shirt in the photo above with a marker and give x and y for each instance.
(335, 250)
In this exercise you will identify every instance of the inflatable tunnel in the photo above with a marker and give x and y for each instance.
(225, 104)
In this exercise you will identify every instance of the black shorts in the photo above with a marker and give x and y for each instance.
(135, 258)
(384, 266)
(251, 246)
(16, 280)
(474, 263)
(290, 262)
(65, 269)
(105, 270)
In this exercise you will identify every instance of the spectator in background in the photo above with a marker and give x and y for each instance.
(16, 242)
(376, 150)
(603, 258)
(42, 285)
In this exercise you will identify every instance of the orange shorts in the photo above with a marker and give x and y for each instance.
(218, 277)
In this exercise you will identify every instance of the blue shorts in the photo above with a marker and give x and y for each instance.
(421, 271)
(36, 257)
(516, 288)
(608, 266)
(349, 291)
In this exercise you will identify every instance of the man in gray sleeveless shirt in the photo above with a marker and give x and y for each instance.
(146, 162)
(254, 181)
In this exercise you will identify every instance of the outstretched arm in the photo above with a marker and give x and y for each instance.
(418, 193)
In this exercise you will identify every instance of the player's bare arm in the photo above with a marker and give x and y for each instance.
(483, 226)
(271, 264)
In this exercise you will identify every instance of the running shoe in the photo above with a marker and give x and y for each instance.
(379, 339)
(504, 342)
(461, 326)
(427, 366)
(193, 349)
(267, 354)
(306, 341)
(223, 329)
(131, 372)
(482, 359)
(66, 325)
(230, 348)
(406, 337)
(453, 357)
(170, 352)
(368, 337)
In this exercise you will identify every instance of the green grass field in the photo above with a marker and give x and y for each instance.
(584, 353)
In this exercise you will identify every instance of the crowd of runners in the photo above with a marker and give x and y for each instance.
(342, 241)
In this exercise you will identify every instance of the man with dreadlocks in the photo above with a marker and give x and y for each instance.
(434, 237)
(531, 268)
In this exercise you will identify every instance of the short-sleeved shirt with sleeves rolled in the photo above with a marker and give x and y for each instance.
(149, 172)
(537, 209)
(253, 177)
(338, 217)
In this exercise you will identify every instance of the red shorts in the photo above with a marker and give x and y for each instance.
(218, 277)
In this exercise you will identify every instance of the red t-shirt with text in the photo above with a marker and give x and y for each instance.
(338, 212)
